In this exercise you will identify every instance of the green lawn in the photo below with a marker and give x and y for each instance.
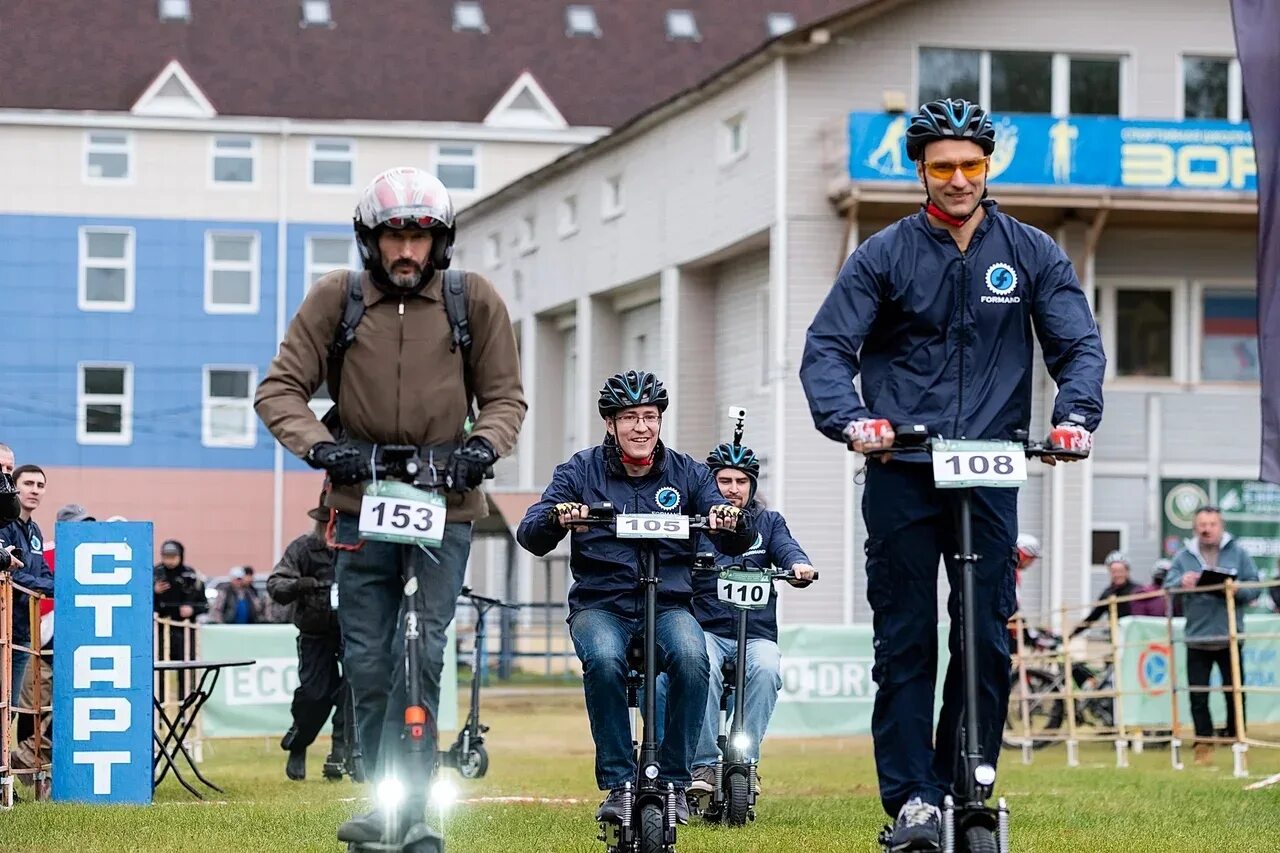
(819, 797)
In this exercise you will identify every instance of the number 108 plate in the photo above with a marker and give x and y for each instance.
(961, 464)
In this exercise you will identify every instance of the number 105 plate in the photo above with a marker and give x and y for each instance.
(962, 464)
(655, 525)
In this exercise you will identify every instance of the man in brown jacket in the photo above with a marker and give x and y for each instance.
(403, 381)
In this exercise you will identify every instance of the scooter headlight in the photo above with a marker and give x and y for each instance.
(742, 741)
(651, 771)
(391, 792)
(444, 793)
(984, 775)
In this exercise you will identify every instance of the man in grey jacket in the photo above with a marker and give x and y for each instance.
(1208, 643)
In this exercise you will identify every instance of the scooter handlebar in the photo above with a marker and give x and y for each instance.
(916, 436)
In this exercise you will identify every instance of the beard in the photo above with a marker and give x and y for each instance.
(404, 274)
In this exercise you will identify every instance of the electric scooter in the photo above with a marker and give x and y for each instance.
(733, 799)
(648, 822)
(467, 755)
(969, 824)
(408, 507)
(350, 762)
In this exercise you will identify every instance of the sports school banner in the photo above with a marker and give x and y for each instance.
(254, 700)
(1144, 668)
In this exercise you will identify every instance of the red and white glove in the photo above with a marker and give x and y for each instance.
(868, 434)
(1071, 437)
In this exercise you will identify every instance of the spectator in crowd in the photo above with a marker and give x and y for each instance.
(1210, 557)
(238, 602)
(1121, 585)
(1157, 605)
(6, 459)
(28, 568)
(37, 691)
(179, 596)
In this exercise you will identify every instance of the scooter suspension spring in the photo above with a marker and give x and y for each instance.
(755, 782)
(671, 806)
(628, 803)
(1002, 827)
(948, 825)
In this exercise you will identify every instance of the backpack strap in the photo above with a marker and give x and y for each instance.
(455, 306)
(345, 335)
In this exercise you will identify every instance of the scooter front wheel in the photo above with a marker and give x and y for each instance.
(653, 824)
(474, 764)
(737, 803)
(978, 839)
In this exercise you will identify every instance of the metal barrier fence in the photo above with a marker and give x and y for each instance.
(1063, 694)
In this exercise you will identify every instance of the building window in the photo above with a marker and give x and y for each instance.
(104, 404)
(456, 166)
(1144, 333)
(567, 216)
(1104, 541)
(106, 269)
(230, 273)
(1021, 82)
(175, 10)
(233, 159)
(1211, 88)
(779, 23)
(316, 13)
(1094, 87)
(581, 21)
(328, 253)
(947, 73)
(1229, 336)
(332, 162)
(611, 204)
(493, 250)
(733, 138)
(526, 235)
(469, 17)
(681, 25)
(107, 156)
(227, 418)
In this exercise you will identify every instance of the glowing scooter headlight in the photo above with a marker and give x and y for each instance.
(391, 792)
(742, 741)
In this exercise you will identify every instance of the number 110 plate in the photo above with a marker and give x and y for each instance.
(961, 464)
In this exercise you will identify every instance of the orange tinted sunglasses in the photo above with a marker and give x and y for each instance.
(943, 170)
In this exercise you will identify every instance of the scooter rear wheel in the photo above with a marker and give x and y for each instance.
(652, 828)
(978, 839)
(737, 802)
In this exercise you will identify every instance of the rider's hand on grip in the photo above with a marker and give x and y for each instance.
(1074, 439)
(345, 463)
(565, 513)
(869, 434)
(724, 517)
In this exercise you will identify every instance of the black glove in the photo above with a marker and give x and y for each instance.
(307, 584)
(468, 464)
(344, 462)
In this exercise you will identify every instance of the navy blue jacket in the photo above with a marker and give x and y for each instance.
(944, 339)
(773, 546)
(606, 570)
(33, 575)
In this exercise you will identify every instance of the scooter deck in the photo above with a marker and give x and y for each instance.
(420, 838)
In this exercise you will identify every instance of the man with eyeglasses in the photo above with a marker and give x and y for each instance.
(637, 473)
(939, 314)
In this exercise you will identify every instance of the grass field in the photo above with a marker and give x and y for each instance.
(819, 797)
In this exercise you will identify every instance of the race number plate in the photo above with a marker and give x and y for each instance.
(397, 512)
(744, 589)
(653, 525)
(960, 464)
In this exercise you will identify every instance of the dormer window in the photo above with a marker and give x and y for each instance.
(175, 10)
(682, 26)
(316, 13)
(469, 17)
(581, 21)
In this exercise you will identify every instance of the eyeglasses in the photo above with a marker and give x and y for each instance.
(943, 169)
(397, 222)
(631, 420)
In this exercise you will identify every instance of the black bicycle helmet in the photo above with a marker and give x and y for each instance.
(734, 456)
(631, 389)
(950, 118)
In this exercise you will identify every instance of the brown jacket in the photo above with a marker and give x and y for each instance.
(400, 382)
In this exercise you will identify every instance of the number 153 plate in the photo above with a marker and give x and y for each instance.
(962, 464)
(397, 512)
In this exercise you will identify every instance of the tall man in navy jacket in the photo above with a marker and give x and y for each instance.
(737, 471)
(635, 472)
(937, 313)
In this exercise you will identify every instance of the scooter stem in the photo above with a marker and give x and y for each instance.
(969, 651)
(739, 681)
(648, 740)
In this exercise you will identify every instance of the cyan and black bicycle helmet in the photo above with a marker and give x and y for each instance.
(735, 456)
(631, 389)
(950, 118)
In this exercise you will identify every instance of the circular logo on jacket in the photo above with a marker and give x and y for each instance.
(667, 498)
(758, 543)
(1001, 279)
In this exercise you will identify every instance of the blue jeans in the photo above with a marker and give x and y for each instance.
(20, 661)
(600, 639)
(764, 680)
(370, 595)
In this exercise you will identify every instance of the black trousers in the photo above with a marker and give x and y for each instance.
(1200, 663)
(320, 687)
